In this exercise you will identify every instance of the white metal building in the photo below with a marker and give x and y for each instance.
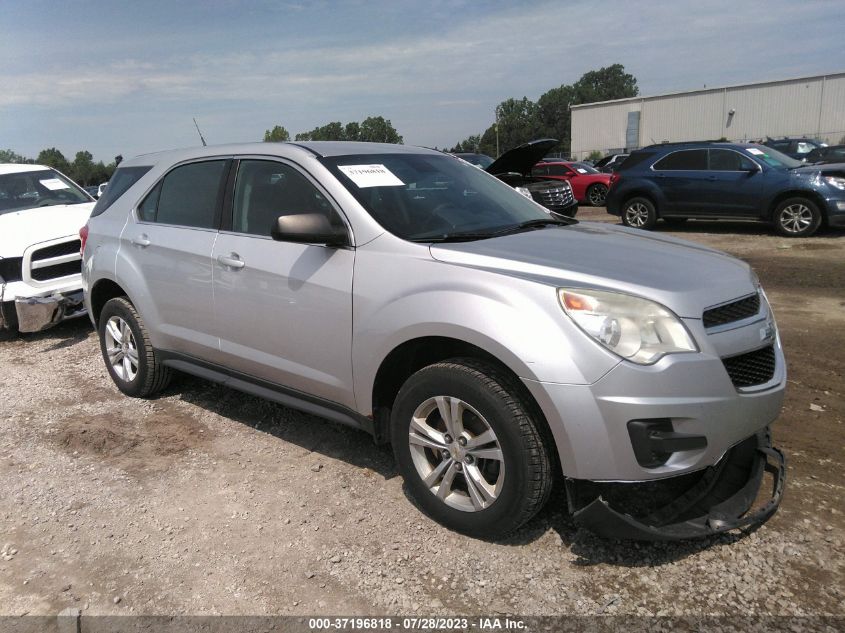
(806, 106)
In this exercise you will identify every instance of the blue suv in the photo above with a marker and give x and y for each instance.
(712, 180)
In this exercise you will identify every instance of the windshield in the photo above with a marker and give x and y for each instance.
(584, 168)
(38, 188)
(423, 197)
(772, 157)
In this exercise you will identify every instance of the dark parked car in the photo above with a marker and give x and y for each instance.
(797, 148)
(710, 180)
(610, 163)
(830, 154)
(514, 168)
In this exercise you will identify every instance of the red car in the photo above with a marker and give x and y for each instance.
(589, 185)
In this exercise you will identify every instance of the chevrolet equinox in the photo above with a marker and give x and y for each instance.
(497, 348)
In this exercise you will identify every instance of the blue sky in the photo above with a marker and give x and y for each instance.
(125, 78)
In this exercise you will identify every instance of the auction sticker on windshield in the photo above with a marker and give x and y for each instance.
(370, 176)
(54, 184)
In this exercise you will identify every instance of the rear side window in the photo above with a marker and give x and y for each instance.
(187, 196)
(121, 180)
(728, 160)
(684, 160)
(633, 160)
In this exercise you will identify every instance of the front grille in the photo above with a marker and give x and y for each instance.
(64, 248)
(753, 368)
(10, 269)
(554, 198)
(734, 311)
(59, 270)
(56, 261)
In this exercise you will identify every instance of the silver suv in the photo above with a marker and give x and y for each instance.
(497, 348)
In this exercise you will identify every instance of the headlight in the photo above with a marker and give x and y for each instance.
(524, 192)
(835, 181)
(636, 329)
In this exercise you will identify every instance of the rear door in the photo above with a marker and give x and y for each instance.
(169, 241)
(283, 311)
(681, 176)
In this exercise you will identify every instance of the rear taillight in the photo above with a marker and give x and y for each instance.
(83, 237)
(614, 178)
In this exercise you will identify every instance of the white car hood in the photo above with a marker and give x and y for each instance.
(21, 229)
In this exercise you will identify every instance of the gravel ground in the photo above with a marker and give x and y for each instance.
(208, 501)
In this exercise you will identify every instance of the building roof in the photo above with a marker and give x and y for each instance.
(713, 89)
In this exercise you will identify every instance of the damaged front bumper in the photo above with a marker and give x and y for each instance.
(33, 314)
(715, 501)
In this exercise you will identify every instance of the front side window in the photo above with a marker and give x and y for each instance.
(684, 160)
(426, 197)
(38, 188)
(728, 160)
(265, 190)
(187, 196)
(558, 170)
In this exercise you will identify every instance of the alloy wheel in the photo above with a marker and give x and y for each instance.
(636, 214)
(596, 195)
(456, 453)
(796, 218)
(121, 349)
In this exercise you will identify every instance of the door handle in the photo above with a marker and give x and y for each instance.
(233, 260)
(711, 177)
(142, 240)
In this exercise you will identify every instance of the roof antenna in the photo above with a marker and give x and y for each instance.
(198, 132)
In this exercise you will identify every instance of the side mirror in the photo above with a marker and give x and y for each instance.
(756, 169)
(308, 228)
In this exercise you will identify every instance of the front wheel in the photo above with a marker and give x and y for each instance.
(596, 195)
(639, 213)
(797, 217)
(132, 363)
(469, 448)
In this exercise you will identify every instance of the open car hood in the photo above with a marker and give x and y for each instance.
(521, 159)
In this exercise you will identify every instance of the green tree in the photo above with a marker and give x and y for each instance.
(10, 156)
(277, 134)
(379, 130)
(53, 158)
(82, 168)
(352, 131)
(518, 123)
(553, 114)
(605, 84)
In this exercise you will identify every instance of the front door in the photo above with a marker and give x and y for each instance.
(732, 188)
(283, 311)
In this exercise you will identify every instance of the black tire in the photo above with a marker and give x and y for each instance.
(525, 467)
(151, 375)
(797, 217)
(639, 213)
(596, 195)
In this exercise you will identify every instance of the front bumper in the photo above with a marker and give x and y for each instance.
(33, 314)
(719, 501)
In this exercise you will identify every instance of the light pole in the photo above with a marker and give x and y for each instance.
(497, 131)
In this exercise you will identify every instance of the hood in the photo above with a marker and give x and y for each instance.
(685, 277)
(20, 229)
(521, 159)
(813, 169)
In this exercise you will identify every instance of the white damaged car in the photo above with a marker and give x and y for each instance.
(41, 212)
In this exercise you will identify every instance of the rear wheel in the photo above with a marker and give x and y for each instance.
(596, 195)
(132, 363)
(469, 448)
(639, 213)
(797, 217)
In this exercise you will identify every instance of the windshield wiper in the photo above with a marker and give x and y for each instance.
(469, 236)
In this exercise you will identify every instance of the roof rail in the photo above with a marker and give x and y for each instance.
(665, 143)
